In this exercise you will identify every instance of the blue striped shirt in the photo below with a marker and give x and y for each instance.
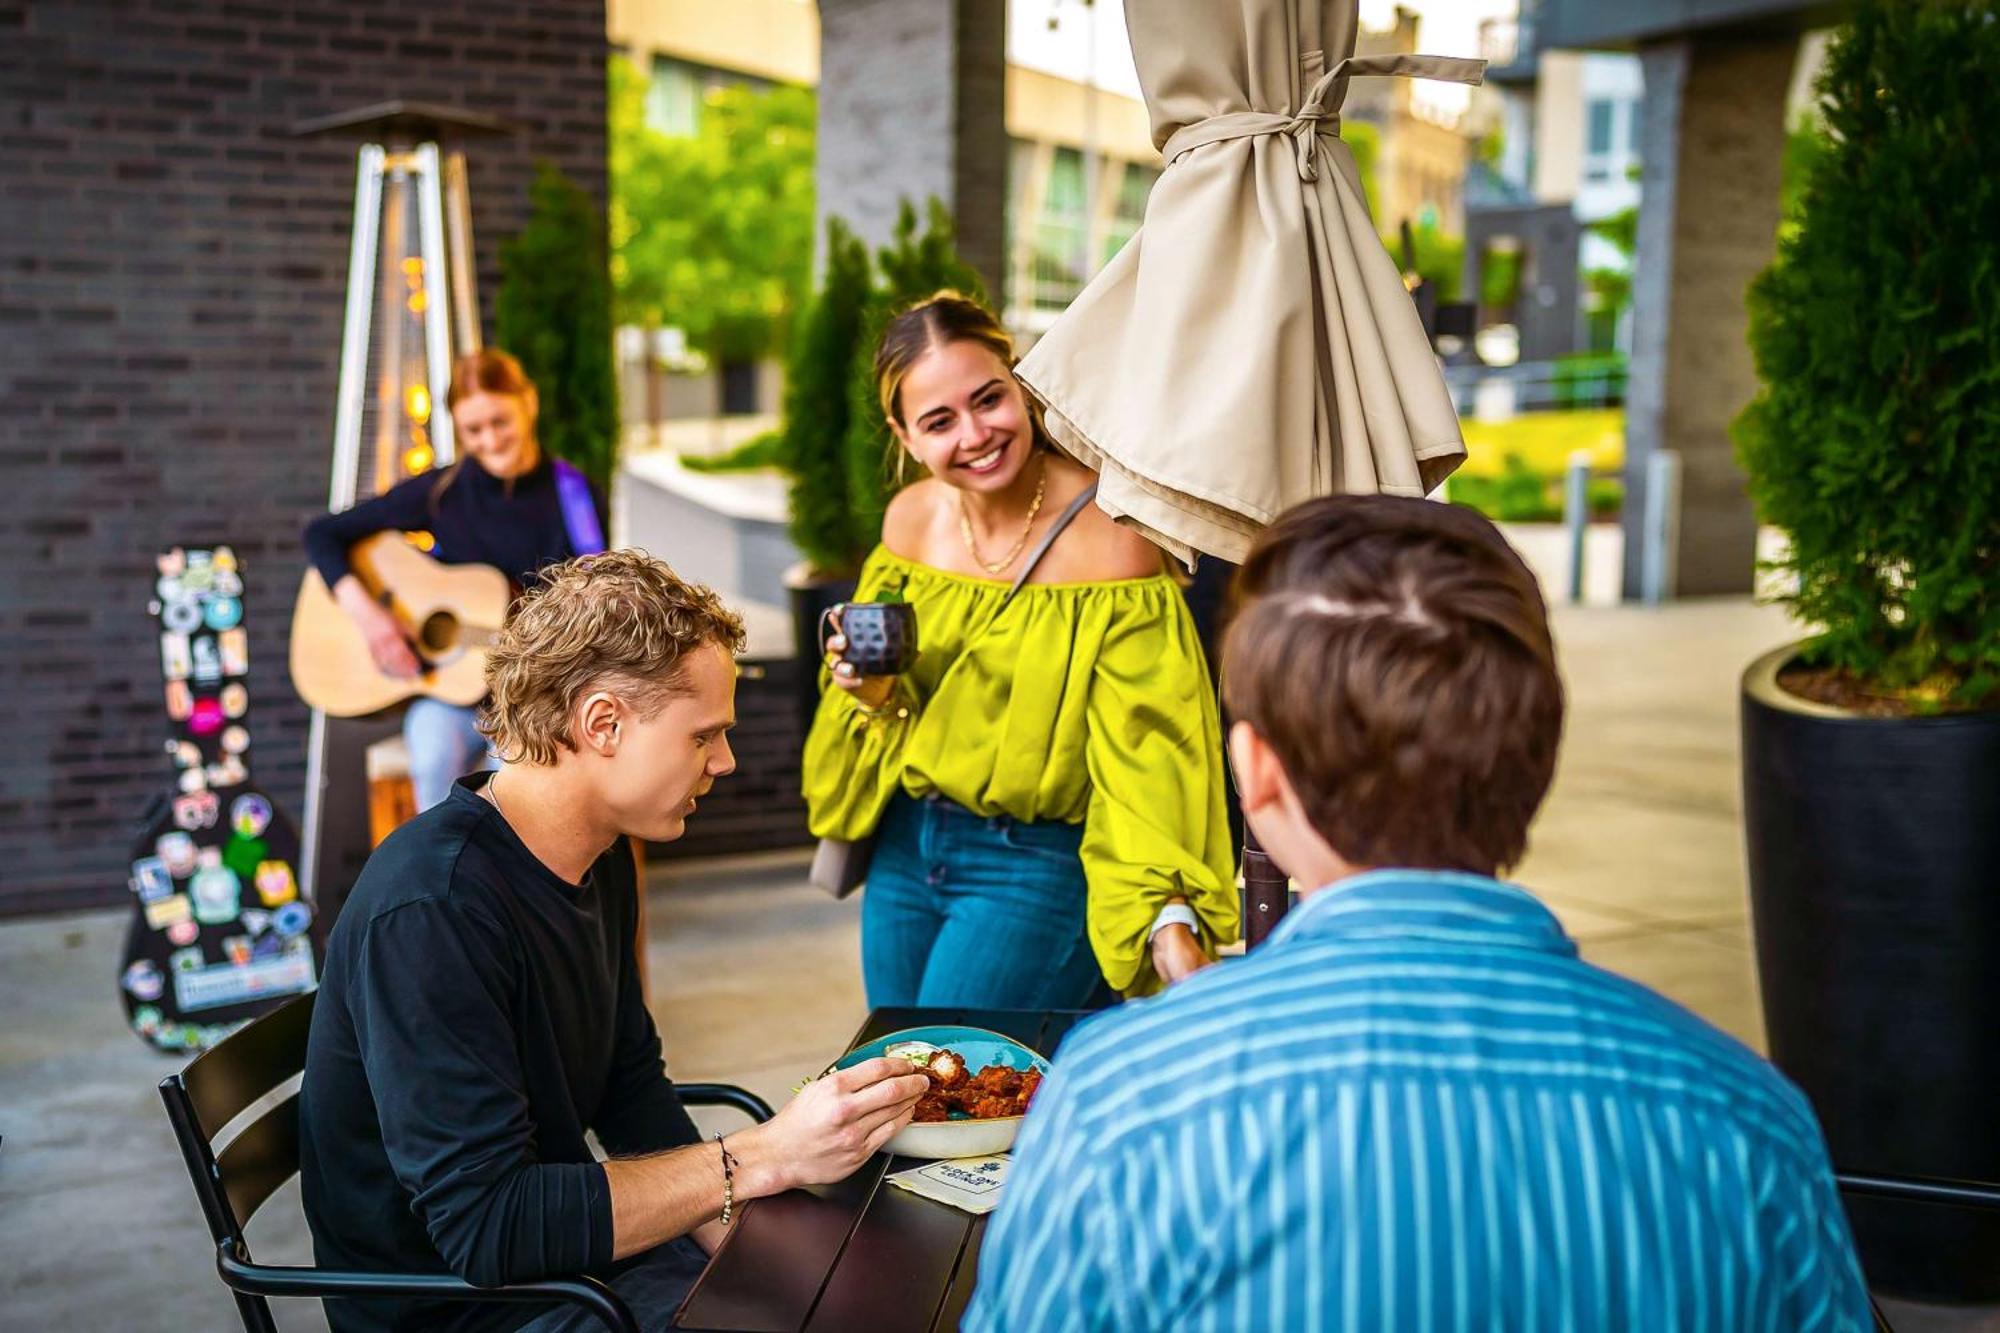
(1415, 1108)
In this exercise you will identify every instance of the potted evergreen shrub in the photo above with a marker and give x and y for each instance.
(1871, 750)
(811, 449)
(553, 312)
(834, 443)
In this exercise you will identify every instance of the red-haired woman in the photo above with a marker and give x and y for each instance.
(504, 503)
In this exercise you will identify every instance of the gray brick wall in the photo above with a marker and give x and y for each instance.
(172, 265)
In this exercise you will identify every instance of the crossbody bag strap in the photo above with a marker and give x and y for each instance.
(1063, 520)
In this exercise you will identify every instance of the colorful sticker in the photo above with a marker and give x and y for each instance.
(243, 855)
(235, 740)
(226, 583)
(197, 810)
(180, 700)
(234, 644)
(146, 1019)
(236, 948)
(185, 960)
(207, 662)
(235, 700)
(151, 879)
(217, 895)
(183, 932)
(255, 920)
(223, 558)
(206, 719)
(228, 771)
(208, 858)
(171, 564)
(192, 781)
(223, 613)
(169, 913)
(291, 919)
(177, 852)
(143, 979)
(176, 658)
(182, 617)
(249, 815)
(275, 884)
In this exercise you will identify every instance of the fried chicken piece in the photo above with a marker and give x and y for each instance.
(946, 1070)
(998, 1080)
(930, 1109)
(994, 1107)
(1030, 1083)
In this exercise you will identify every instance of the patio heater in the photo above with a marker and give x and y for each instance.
(412, 307)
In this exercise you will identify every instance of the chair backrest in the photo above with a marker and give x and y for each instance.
(220, 1085)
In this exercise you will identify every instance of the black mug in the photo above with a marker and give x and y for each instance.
(881, 636)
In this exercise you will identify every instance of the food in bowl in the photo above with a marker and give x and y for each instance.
(994, 1093)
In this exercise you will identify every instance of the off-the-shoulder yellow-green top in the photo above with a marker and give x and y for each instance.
(1084, 702)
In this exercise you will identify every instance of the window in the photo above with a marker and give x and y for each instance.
(673, 97)
(1134, 184)
(1061, 234)
(1601, 121)
(1601, 113)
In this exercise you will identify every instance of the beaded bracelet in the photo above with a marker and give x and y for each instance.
(728, 1179)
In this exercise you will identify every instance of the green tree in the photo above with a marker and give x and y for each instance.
(1365, 142)
(713, 234)
(1877, 334)
(912, 266)
(553, 311)
(813, 440)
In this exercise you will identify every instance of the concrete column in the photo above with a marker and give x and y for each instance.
(1712, 142)
(912, 104)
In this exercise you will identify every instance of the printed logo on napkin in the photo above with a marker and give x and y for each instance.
(969, 1183)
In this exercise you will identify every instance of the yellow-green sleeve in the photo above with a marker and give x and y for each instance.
(1156, 827)
(852, 760)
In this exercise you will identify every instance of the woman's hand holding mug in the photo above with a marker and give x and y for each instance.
(884, 648)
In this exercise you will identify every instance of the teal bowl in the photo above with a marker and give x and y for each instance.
(955, 1138)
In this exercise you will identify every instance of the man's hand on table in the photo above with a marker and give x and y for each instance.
(834, 1125)
(826, 1132)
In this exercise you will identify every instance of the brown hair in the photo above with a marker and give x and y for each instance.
(1395, 655)
(488, 370)
(942, 318)
(619, 620)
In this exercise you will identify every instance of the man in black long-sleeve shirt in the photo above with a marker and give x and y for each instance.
(480, 1009)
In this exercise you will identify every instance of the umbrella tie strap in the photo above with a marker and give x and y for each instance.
(1319, 114)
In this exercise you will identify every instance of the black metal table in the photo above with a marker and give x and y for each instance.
(861, 1256)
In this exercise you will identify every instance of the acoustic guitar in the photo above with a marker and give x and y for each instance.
(450, 614)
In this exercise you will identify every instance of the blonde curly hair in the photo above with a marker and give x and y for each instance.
(620, 620)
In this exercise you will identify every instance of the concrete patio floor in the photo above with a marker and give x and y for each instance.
(755, 979)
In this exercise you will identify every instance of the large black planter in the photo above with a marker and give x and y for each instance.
(810, 598)
(1875, 888)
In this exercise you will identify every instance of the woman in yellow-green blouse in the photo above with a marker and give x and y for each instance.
(1045, 783)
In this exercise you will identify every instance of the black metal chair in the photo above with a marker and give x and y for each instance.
(222, 1083)
(1914, 1189)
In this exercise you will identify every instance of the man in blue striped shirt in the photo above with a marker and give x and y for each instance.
(1413, 1107)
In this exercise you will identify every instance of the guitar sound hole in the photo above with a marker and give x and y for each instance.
(438, 634)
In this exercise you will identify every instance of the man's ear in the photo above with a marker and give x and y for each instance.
(600, 723)
(1260, 781)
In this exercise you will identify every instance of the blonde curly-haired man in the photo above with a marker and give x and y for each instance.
(481, 1011)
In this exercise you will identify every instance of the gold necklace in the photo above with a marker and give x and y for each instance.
(1020, 543)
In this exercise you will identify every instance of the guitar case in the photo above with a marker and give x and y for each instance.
(220, 932)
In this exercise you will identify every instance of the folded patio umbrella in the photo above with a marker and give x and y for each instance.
(1253, 345)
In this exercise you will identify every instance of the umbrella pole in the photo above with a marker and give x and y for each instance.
(1266, 891)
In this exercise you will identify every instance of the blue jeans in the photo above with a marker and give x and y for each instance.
(444, 746)
(965, 912)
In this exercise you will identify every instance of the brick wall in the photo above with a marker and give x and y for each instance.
(172, 269)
